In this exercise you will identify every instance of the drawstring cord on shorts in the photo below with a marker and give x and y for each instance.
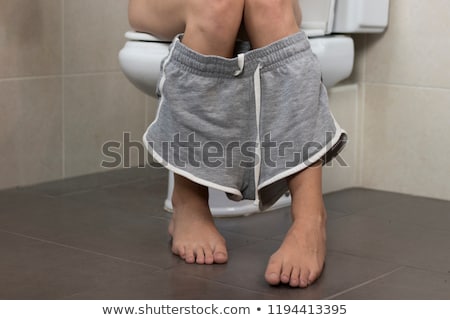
(241, 62)
(257, 89)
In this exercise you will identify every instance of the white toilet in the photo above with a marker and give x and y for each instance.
(142, 54)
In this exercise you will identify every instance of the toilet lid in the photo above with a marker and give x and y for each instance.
(317, 16)
(141, 36)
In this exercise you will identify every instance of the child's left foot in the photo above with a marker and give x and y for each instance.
(300, 259)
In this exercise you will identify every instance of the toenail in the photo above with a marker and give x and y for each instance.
(274, 277)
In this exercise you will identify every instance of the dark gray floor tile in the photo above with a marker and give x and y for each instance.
(167, 285)
(31, 269)
(429, 213)
(266, 225)
(148, 172)
(405, 284)
(382, 239)
(19, 200)
(143, 196)
(262, 225)
(357, 199)
(332, 214)
(246, 268)
(128, 234)
(97, 180)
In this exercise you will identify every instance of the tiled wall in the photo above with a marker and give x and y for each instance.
(399, 128)
(62, 94)
(406, 136)
(345, 103)
(343, 172)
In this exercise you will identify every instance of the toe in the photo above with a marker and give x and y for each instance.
(220, 254)
(273, 272)
(220, 257)
(209, 256)
(200, 256)
(304, 278)
(189, 255)
(295, 278)
(313, 276)
(179, 251)
(286, 273)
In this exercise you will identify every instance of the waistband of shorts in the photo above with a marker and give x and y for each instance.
(197, 63)
(270, 56)
(279, 52)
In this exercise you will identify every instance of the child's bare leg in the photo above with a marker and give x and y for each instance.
(300, 259)
(194, 236)
(210, 28)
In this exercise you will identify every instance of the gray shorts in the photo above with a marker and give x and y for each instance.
(243, 125)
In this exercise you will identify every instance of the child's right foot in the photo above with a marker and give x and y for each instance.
(195, 238)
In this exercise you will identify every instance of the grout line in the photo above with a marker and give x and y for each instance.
(61, 75)
(344, 87)
(404, 85)
(80, 249)
(361, 115)
(88, 74)
(226, 284)
(361, 130)
(63, 90)
(44, 77)
(146, 111)
(363, 284)
(365, 47)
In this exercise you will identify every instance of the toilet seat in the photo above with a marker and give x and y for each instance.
(141, 36)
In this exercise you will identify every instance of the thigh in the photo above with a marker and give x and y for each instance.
(162, 18)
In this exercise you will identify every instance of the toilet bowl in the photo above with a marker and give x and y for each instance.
(140, 60)
(141, 57)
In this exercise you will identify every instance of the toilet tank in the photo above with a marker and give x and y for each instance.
(361, 16)
(317, 16)
(322, 17)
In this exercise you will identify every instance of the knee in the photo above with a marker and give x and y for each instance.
(271, 10)
(219, 17)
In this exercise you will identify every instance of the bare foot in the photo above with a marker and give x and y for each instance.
(195, 237)
(300, 259)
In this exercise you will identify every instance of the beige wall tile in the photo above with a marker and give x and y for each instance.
(30, 131)
(344, 105)
(359, 65)
(98, 109)
(94, 34)
(407, 136)
(415, 49)
(30, 38)
(151, 110)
